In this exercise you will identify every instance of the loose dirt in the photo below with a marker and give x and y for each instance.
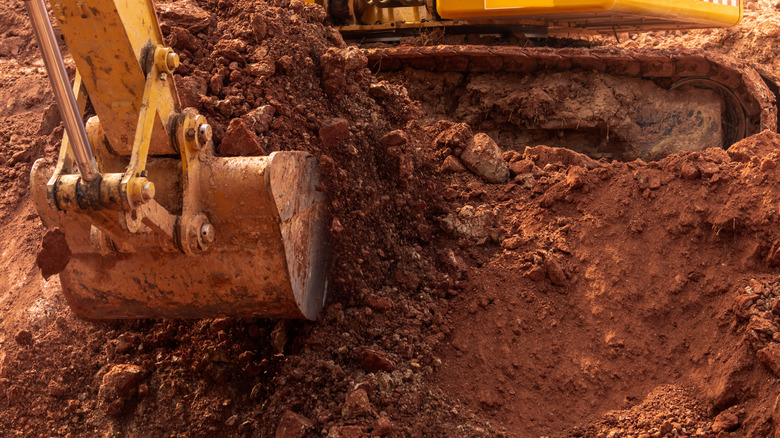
(572, 297)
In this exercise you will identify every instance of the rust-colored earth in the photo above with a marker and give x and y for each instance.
(565, 297)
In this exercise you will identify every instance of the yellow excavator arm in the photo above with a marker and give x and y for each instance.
(159, 226)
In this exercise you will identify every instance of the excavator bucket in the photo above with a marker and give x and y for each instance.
(267, 258)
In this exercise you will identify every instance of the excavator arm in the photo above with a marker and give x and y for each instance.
(157, 224)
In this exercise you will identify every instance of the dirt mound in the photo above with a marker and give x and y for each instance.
(577, 297)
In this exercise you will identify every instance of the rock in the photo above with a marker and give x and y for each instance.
(760, 146)
(452, 165)
(24, 337)
(258, 69)
(521, 167)
(725, 422)
(535, 273)
(191, 88)
(554, 272)
(483, 157)
(770, 356)
(231, 421)
(50, 119)
(708, 168)
(125, 342)
(259, 27)
(372, 361)
(689, 171)
(333, 132)
(456, 136)
(334, 79)
(184, 14)
(260, 118)
(257, 392)
(379, 303)
(356, 405)
(120, 381)
(383, 426)
(12, 46)
(665, 428)
(767, 164)
(182, 39)
(54, 254)
(394, 138)
(575, 177)
(240, 141)
(513, 242)
(544, 155)
(55, 389)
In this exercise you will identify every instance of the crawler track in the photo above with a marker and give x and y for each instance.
(748, 93)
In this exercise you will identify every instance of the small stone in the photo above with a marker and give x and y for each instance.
(260, 118)
(231, 421)
(665, 428)
(24, 337)
(521, 167)
(240, 141)
(770, 356)
(725, 422)
(379, 303)
(333, 132)
(258, 69)
(372, 361)
(575, 177)
(452, 165)
(456, 136)
(513, 242)
(689, 171)
(184, 14)
(535, 273)
(483, 157)
(356, 405)
(125, 342)
(394, 138)
(54, 254)
(120, 381)
(768, 164)
(56, 389)
(708, 168)
(383, 426)
(259, 27)
(50, 119)
(554, 271)
(256, 393)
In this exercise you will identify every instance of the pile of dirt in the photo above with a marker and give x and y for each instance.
(476, 290)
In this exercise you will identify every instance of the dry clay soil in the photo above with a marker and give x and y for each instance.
(575, 298)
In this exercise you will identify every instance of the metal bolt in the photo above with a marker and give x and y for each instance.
(163, 76)
(172, 60)
(207, 233)
(147, 191)
(204, 133)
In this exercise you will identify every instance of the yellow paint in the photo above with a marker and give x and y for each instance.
(601, 13)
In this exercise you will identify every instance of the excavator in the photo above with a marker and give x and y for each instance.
(158, 225)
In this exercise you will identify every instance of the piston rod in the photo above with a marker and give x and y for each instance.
(60, 84)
